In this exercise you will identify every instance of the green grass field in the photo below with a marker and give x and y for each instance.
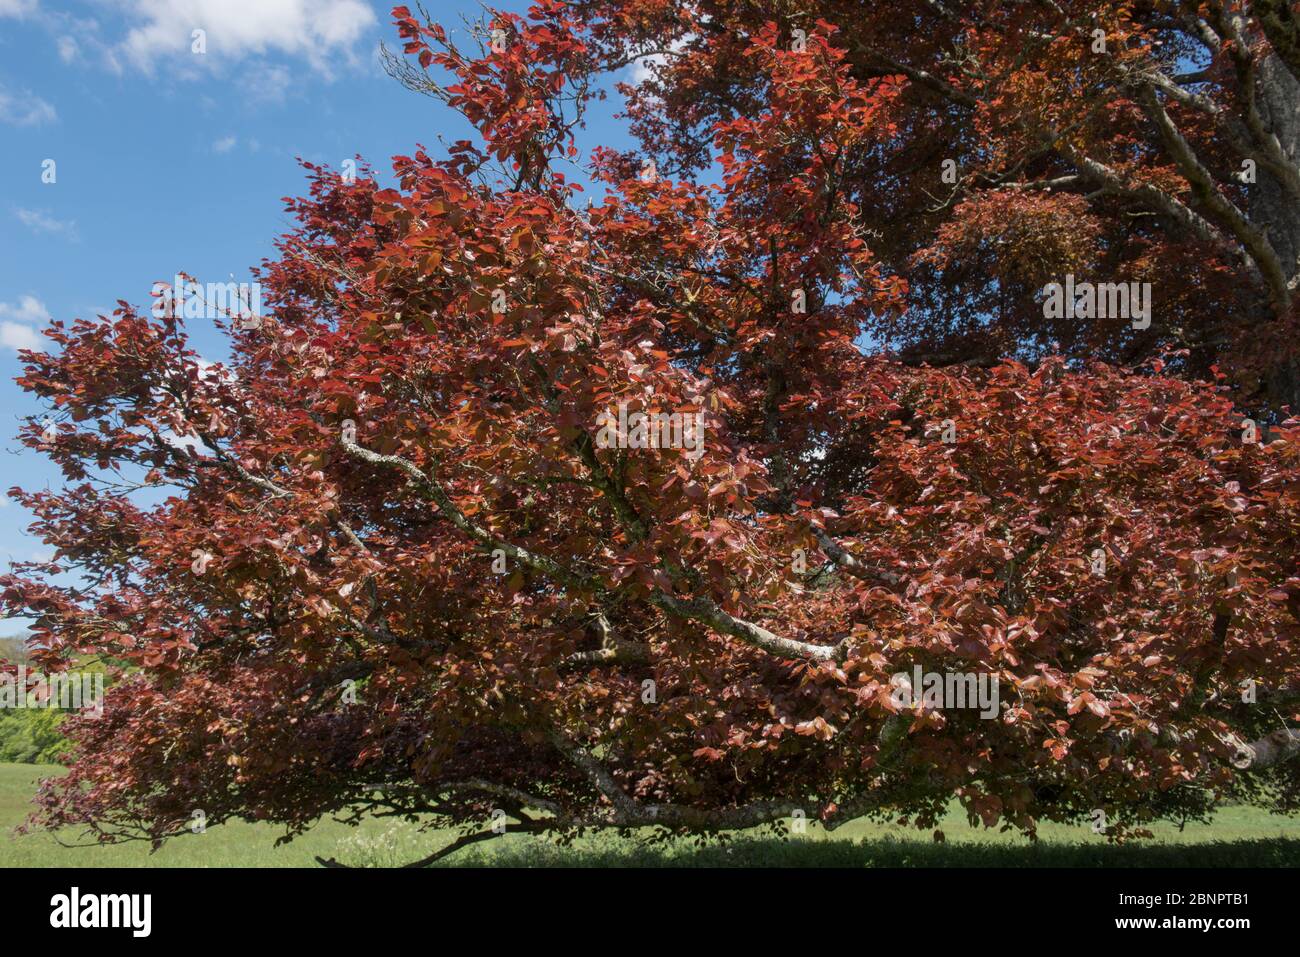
(1238, 837)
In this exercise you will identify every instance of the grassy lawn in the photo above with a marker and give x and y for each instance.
(1237, 837)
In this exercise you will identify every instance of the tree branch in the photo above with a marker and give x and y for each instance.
(1273, 748)
(699, 608)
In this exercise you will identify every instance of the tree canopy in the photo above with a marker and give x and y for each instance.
(389, 564)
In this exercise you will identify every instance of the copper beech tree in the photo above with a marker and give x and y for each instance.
(384, 561)
(1019, 140)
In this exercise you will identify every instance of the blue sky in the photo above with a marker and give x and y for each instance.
(167, 160)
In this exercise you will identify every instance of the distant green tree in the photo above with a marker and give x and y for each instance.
(31, 736)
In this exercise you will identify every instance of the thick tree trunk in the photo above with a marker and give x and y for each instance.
(1278, 100)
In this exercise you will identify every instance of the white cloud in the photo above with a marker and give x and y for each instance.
(28, 309)
(41, 222)
(25, 108)
(170, 437)
(643, 67)
(68, 49)
(265, 83)
(228, 143)
(14, 335)
(315, 30)
(17, 8)
(17, 321)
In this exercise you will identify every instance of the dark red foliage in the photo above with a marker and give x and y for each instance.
(850, 515)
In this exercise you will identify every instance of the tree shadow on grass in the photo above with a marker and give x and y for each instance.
(1273, 852)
